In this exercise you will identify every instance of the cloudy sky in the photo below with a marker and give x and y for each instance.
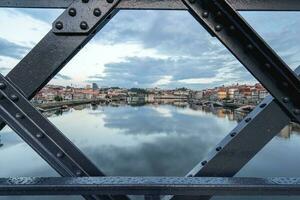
(166, 49)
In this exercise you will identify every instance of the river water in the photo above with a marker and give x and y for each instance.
(148, 140)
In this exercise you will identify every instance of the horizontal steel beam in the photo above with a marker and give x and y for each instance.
(149, 186)
(251, 5)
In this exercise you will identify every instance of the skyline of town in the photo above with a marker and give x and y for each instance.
(162, 88)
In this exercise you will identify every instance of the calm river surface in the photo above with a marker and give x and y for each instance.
(150, 140)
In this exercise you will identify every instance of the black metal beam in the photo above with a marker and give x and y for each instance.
(242, 5)
(245, 44)
(43, 136)
(150, 186)
(40, 66)
(241, 144)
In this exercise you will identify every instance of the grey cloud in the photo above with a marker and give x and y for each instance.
(169, 32)
(4, 69)
(46, 15)
(11, 49)
(146, 71)
(62, 77)
(96, 77)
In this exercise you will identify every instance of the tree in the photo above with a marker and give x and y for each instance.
(58, 98)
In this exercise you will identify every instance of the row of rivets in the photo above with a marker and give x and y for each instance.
(249, 47)
(38, 135)
(83, 25)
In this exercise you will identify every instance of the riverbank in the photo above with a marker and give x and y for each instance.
(62, 104)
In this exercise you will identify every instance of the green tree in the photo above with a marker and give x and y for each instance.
(58, 98)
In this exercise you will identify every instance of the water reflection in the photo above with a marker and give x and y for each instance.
(147, 140)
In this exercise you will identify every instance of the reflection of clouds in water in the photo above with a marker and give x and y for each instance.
(20, 160)
(143, 141)
(168, 156)
(146, 120)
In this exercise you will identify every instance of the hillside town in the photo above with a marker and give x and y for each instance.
(239, 94)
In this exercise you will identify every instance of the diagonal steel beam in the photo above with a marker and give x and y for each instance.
(40, 65)
(44, 137)
(48, 57)
(150, 186)
(218, 17)
(242, 143)
(243, 5)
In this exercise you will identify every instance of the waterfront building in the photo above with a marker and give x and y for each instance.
(95, 86)
(222, 93)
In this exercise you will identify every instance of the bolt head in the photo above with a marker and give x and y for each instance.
(60, 154)
(97, 12)
(218, 27)
(263, 105)
(233, 134)
(72, 12)
(218, 148)
(205, 14)
(19, 116)
(59, 25)
(109, 1)
(39, 135)
(297, 112)
(2, 85)
(232, 28)
(78, 173)
(285, 99)
(248, 120)
(14, 97)
(203, 162)
(85, 1)
(249, 47)
(268, 66)
(84, 25)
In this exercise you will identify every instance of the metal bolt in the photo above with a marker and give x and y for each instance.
(78, 173)
(218, 148)
(59, 25)
(39, 135)
(110, 1)
(248, 120)
(218, 27)
(85, 1)
(19, 116)
(205, 14)
(14, 97)
(84, 25)
(190, 175)
(297, 112)
(204, 163)
(231, 28)
(285, 99)
(97, 12)
(267, 65)
(72, 12)
(233, 134)
(263, 105)
(219, 14)
(249, 47)
(60, 154)
(2, 85)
